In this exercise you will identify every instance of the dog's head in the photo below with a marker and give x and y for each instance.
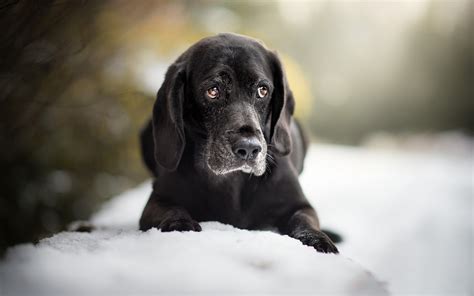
(227, 96)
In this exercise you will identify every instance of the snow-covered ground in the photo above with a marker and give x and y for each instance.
(406, 218)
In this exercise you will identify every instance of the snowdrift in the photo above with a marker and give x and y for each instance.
(118, 259)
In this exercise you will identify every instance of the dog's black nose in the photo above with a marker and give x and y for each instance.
(247, 148)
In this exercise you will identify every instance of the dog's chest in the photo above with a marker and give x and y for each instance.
(235, 203)
(226, 203)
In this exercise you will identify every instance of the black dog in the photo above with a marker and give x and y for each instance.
(223, 146)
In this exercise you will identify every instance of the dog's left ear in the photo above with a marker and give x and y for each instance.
(282, 106)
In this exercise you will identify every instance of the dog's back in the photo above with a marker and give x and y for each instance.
(147, 148)
(299, 145)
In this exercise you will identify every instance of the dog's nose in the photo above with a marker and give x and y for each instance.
(247, 148)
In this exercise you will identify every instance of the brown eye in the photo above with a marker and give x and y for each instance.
(262, 91)
(213, 92)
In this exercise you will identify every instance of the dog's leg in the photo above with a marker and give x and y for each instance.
(304, 226)
(166, 217)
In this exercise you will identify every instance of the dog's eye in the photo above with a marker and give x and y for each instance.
(213, 92)
(262, 91)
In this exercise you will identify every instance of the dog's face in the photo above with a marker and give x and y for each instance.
(231, 88)
(228, 94)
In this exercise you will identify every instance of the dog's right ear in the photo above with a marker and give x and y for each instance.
(168, 126)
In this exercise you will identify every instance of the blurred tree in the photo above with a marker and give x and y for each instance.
(68, 136)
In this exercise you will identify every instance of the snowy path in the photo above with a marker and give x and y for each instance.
(405, 217)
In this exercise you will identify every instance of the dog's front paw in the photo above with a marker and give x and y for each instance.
(316, 239)
(183, 224)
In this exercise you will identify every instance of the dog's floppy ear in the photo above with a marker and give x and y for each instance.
(282, 106)
(168, 127)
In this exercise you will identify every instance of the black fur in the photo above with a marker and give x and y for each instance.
(190, 145)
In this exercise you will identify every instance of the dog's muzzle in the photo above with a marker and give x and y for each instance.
(247, 148)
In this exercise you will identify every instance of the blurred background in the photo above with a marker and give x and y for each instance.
(78, 81)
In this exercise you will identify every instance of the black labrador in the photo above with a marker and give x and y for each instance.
(223, 146)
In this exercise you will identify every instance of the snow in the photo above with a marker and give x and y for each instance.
(406, 216)
(220, 259)
(406, 219)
